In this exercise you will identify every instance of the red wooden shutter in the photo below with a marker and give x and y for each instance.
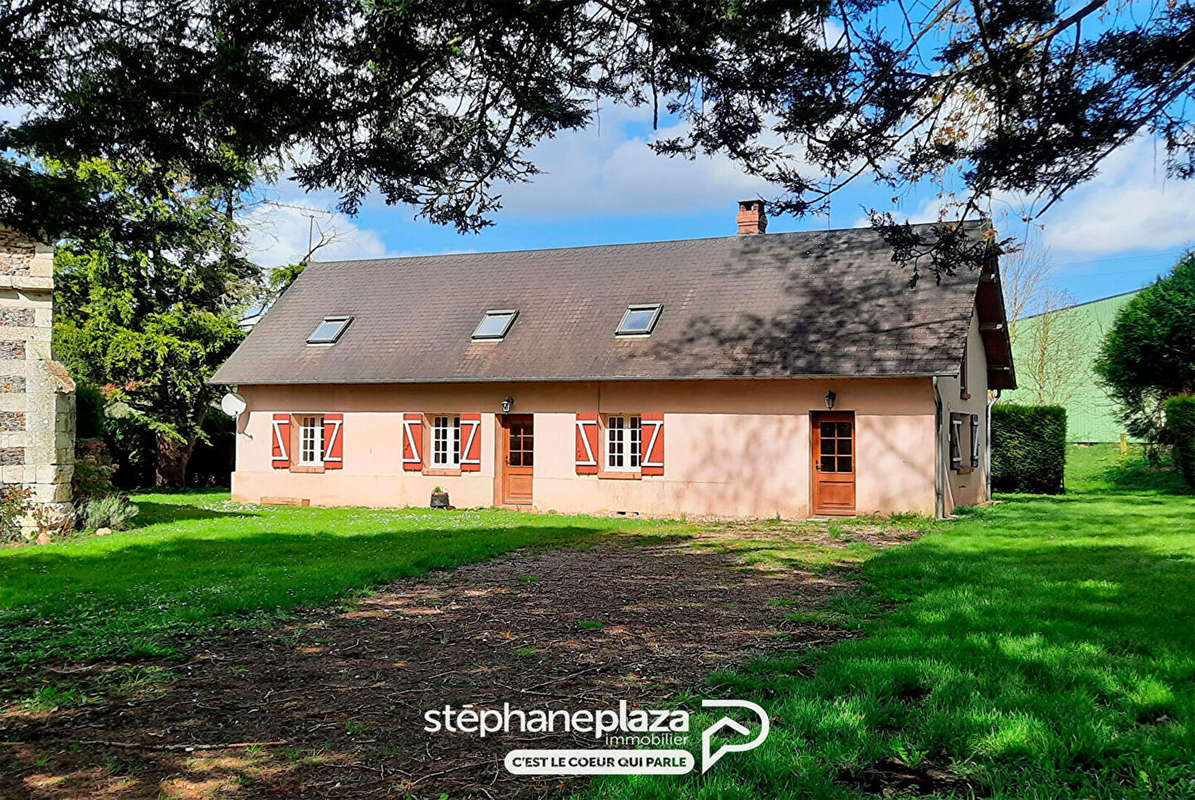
(412, 442)
(587, 444)
(653, 444)
(470, 442)
(333, 441)
(280, 456)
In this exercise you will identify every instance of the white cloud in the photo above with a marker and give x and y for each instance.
(279, 234)
(1130, 205)
(599, 170)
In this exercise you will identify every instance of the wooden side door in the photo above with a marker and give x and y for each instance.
(518, 458)
(834, 462)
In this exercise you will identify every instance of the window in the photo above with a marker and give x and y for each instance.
(835, 447)
(311, 441)
(956, 438)
(495, 325)
(974, 440)
(624, 443)
(446, 441)
(329, 330)
(639, 320)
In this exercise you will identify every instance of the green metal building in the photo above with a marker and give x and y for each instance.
(1090, 415)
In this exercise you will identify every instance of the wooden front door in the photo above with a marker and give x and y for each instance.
(518, 459)
(833, 462)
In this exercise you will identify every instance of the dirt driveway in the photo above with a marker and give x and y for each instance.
(332, 705)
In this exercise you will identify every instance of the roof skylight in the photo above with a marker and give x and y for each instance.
(328, 331)
(494, 325)
(639, 320)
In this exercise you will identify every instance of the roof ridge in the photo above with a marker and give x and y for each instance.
(615, 244)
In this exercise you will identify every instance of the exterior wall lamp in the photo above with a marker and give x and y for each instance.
(507, 405)
(830, 398)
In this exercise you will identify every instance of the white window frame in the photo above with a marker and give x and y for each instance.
(311, 440)
(640, 333)
(345, 321)
(512, 313)
(629, 432)
(446, 430)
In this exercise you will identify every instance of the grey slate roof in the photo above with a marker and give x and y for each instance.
(768, 305)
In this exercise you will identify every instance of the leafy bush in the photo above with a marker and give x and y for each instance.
(1028, 448)
(1148, 355)
(1180, 421)
(14, 502)
(113, 511)
(93, 471)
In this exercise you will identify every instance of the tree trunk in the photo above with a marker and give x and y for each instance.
(173, 455)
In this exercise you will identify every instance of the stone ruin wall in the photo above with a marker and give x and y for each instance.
(37, 400)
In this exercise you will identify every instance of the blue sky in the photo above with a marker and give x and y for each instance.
(604, 185)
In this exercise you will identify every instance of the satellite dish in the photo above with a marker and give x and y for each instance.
(233, 404)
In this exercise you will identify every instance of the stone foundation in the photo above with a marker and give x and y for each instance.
(37, 400)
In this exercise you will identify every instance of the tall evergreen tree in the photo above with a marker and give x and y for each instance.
(149, 308)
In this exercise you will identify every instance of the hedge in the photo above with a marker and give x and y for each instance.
(1180, 422)
(1028, 448)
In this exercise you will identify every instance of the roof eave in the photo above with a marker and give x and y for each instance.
(576, 379)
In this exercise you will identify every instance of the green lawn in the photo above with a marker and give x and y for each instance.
(1043, 648)
(194, 563)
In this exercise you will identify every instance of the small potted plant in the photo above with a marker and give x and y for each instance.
(439, 498)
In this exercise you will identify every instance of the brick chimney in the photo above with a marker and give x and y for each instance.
(752, 217)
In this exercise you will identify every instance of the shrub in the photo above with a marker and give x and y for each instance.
(1148, 355)
(1180, 421)
(113, 511)
(14, 502)
(1028, 448)
(93, 471)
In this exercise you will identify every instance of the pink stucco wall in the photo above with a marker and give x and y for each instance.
(736, 448)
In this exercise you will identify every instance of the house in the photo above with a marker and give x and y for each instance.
(1057, 352)
(790, 374)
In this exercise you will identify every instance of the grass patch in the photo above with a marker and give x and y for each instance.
(197, 562)
(49, 698)
(1041, 648)
(589, 624)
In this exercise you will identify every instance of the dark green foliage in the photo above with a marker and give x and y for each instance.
(89, 411)
(1148, 354)
(1180, 422)
(214, 459)
(148, 311)
(1028, 448)
(437, 103)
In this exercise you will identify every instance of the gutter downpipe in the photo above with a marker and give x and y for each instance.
(939, 502)
(987, 456)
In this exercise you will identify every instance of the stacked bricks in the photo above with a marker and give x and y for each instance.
(37, 401)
